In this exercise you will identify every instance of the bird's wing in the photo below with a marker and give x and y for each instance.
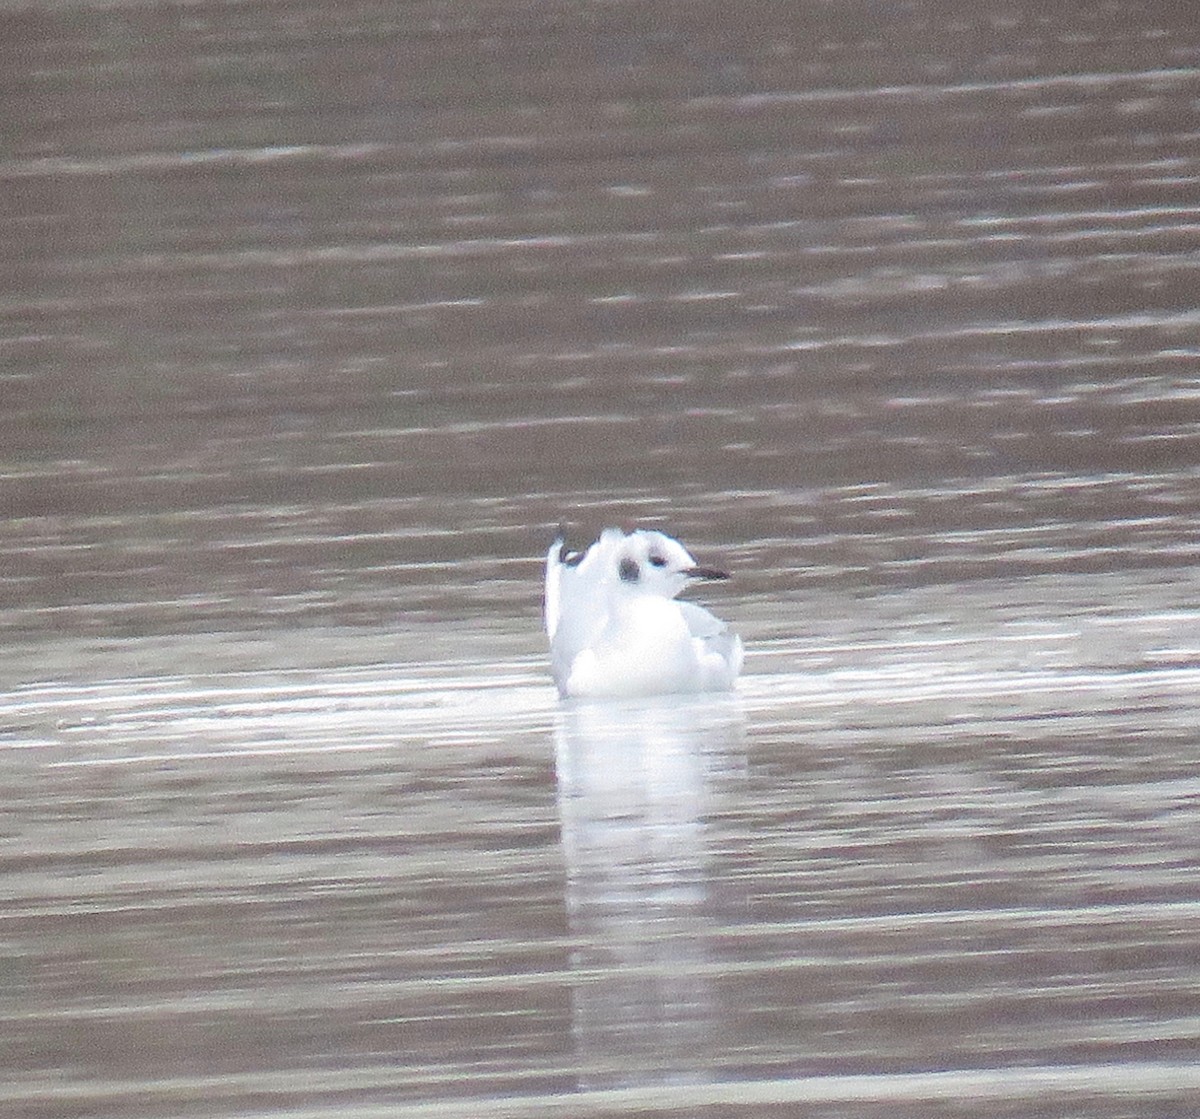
(576, 606)
(701, 622)
(714, 640)
(552, 598)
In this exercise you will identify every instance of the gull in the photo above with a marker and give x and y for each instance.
(616, 629)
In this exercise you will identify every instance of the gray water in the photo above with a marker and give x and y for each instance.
(316, 320)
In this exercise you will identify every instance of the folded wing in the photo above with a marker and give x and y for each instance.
(575, 612)
(718, 649)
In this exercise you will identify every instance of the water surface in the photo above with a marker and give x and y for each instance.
(317, 320)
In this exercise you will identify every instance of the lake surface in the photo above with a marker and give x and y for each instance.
(317, 320)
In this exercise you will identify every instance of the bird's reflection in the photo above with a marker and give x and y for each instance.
(637, 784)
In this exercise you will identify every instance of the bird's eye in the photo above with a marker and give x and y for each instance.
(658, 561)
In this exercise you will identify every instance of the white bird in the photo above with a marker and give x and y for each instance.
(615, 628)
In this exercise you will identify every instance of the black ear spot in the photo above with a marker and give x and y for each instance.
(629, 570)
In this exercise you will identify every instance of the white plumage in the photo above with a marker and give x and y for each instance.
(615, 628)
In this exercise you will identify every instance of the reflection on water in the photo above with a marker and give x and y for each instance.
(899, 867)
(634, 799)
